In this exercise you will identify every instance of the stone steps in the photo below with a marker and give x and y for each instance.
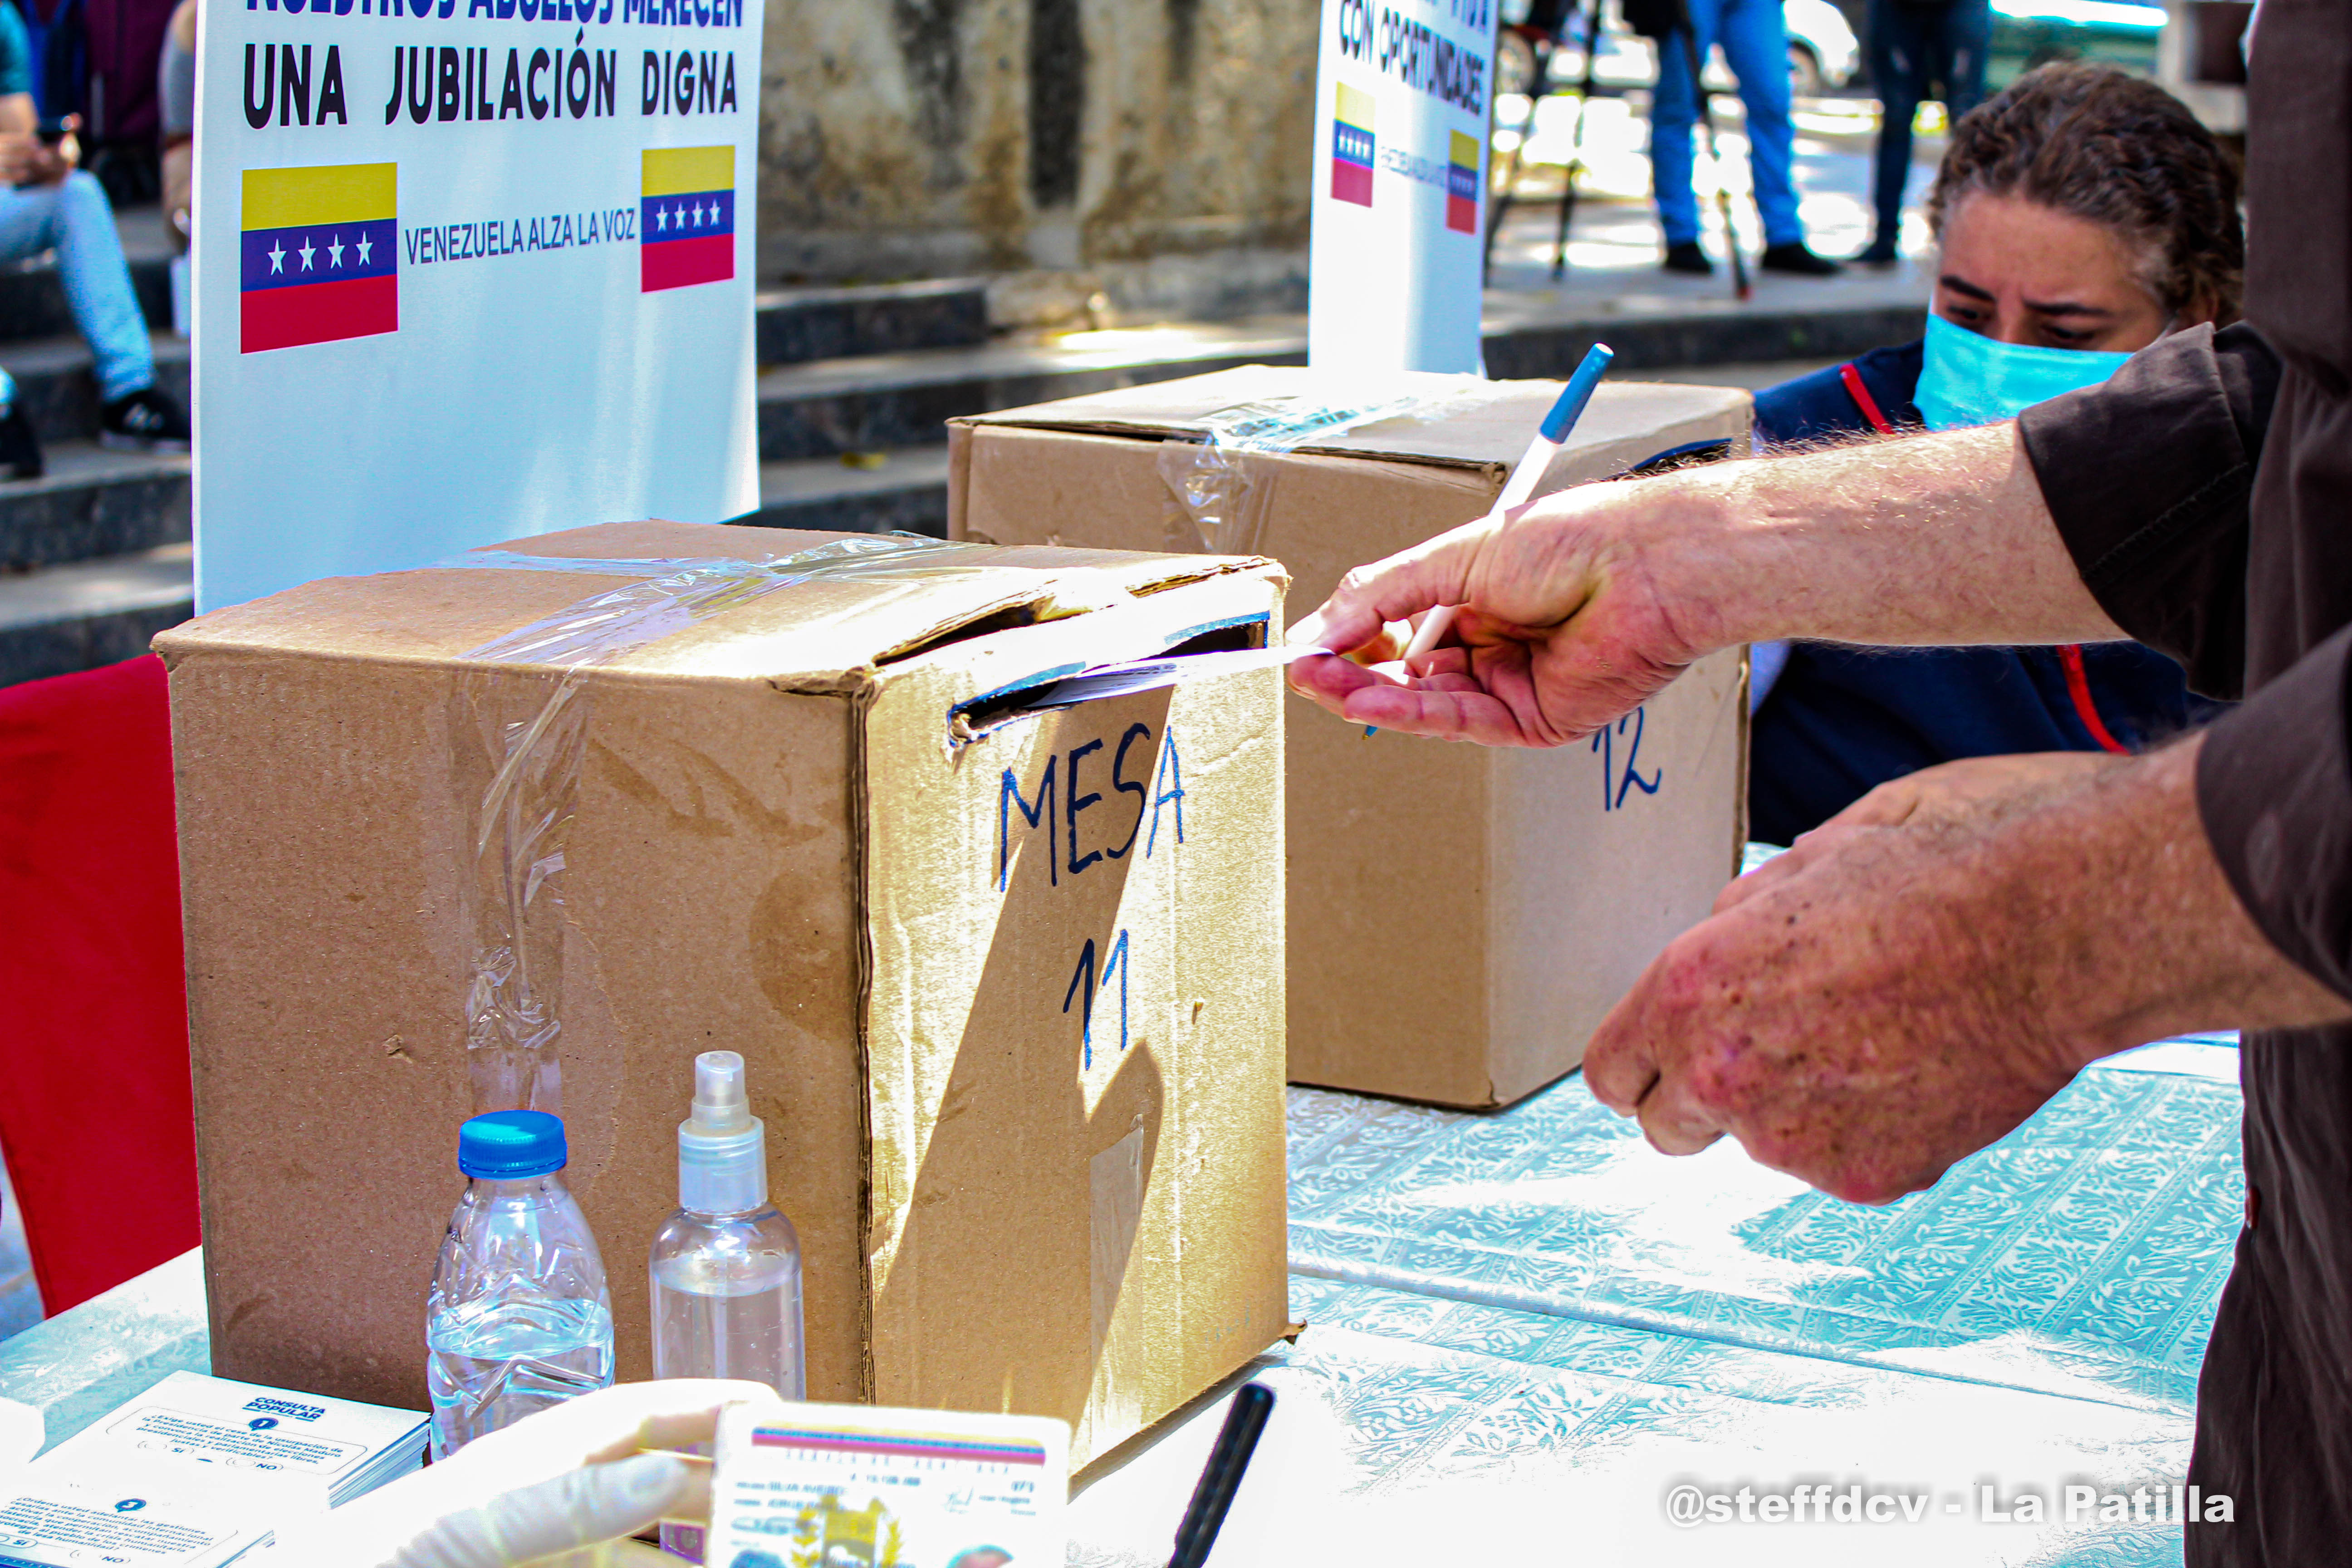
(879, 403)
(91, 504)
(85, 613)
(906, 492)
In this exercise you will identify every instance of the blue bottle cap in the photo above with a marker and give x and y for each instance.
(508, 1144)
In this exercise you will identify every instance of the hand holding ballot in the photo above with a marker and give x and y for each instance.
(1560, 629)
(1577, 606)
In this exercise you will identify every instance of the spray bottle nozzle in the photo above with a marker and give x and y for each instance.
(722, 1151)
(720, 1103)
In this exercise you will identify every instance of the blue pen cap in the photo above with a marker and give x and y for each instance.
(1566, 412)
(505, 1145)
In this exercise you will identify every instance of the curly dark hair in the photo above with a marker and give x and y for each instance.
(2115, 150)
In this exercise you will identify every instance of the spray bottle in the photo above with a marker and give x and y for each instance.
(726, 1267)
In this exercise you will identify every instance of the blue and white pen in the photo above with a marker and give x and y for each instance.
(1550, 436)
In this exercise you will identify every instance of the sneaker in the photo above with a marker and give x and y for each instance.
(1796, 258)
(20, 449)
(1684, 256)
(1880, 253)
(146, 421)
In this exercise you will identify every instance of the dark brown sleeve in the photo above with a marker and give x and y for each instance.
(2147, 475)
(2274, 792)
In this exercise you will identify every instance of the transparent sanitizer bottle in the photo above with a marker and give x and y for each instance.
(726, 1267)
(520, 1317)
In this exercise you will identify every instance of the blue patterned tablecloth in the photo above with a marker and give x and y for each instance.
(1526, 1327)
(1522, 1439)
(2082, 1254)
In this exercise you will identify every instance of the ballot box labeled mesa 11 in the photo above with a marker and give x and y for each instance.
(1461, 918)
(538, 826)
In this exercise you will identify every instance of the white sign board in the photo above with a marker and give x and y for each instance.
(467, 270)
(1401, 93)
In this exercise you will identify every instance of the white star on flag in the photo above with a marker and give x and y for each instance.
(308, 250)
(365, 246)
(335, 251)
(276, 256)
(698, 214)
(661, 217)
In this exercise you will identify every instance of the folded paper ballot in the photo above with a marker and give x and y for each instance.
(843, 1483)
(197, 1471)
(1148, 674)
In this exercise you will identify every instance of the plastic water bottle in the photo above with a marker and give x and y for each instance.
(520, 1317)
(726, 1267)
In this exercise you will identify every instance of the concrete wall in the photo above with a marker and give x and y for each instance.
(1103, 139)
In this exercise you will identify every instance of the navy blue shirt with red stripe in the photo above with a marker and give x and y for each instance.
(1842, 720)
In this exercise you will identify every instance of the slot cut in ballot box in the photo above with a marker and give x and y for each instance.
(536, 826)
(1461, 918)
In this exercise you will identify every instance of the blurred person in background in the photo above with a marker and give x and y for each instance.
(1916, 45)
(49, 203)
(1754, 38)
(2080, 215)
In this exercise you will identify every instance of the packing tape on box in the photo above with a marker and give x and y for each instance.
(1221, 499)
(519, 736)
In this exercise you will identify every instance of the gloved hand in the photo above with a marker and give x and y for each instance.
(562, 1490)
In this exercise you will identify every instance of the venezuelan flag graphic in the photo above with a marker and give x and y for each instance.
(686, 221)
(320, 252)
(1353, 147)
(1462, 185)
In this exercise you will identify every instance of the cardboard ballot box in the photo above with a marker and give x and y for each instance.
(1461, 918)
(1007, 980)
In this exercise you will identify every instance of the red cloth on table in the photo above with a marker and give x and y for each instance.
(97, 1117)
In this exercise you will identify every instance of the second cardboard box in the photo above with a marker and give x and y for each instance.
(1460, 919)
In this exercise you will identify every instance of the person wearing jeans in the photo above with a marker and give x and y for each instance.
(49, 204)
(1754, 39)
(1914, 44)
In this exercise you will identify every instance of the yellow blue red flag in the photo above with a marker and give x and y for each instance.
(685, 222)
(320, 255)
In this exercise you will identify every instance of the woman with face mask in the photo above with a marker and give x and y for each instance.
(2080, 215)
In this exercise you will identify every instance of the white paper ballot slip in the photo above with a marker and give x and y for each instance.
(197, 1471)
(228, 1440)
(46, 1522)
(1148, 674)
(856, 1484)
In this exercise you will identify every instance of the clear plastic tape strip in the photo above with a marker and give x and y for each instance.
(517, 740)
(1221, 505)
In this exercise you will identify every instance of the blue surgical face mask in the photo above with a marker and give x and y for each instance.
(1968, 378)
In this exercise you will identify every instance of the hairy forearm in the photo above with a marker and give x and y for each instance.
(1929, 540)
(2108, 891)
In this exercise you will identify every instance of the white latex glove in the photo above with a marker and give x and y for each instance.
(564, 1487)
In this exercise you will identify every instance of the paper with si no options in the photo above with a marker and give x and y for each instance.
(1148, 674)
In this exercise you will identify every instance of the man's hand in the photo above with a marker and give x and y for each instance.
(1562, 626)
(1580, 605)
(1923, 972)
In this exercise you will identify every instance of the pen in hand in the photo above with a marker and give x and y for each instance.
(1550, 436)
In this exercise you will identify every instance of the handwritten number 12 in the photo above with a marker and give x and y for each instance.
(1613, 784)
